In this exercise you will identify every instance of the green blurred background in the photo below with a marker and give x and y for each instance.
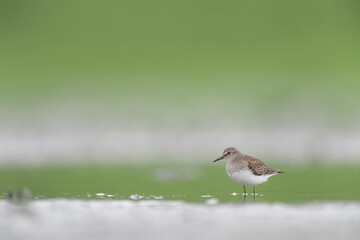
(176, 53)
(175, 67)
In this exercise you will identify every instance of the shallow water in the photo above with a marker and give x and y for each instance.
(158, 219)
(195, 183)
(227, 197)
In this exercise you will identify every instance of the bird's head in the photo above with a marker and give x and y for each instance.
(228, 154)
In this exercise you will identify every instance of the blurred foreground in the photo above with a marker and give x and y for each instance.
(87, 220)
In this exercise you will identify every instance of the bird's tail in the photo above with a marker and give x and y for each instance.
(278, 171)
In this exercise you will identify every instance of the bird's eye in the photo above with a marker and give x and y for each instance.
(227, 153)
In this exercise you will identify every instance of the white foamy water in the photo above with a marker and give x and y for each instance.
(126, 219)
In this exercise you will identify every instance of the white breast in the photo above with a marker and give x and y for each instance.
(246, 177)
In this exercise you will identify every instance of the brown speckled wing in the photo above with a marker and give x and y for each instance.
(258, 167)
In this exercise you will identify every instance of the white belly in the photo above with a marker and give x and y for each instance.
(246, 177)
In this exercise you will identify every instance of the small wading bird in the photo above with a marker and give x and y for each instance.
(246, 170)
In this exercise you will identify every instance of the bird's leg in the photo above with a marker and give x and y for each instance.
(244, 190)
(254, 194)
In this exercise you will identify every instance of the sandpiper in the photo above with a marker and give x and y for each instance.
(246, 170)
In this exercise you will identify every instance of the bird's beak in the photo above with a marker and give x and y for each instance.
(222, 157)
